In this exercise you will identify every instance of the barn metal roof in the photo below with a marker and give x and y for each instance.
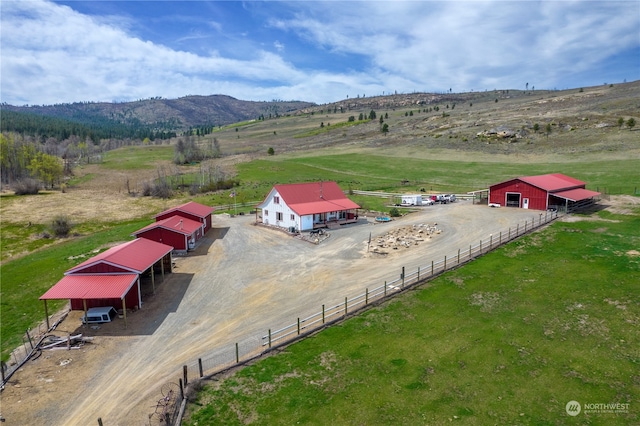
(314, 197)
(178, 224)
(552, 182)
(135, 256)
(191, 207)
(577, 194)
(91, 287)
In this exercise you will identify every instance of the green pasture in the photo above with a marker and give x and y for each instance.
(510, 338)
(136, 157)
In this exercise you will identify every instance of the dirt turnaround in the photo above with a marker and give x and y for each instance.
(240, 281)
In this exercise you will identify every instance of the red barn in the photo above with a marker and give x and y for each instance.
(542, 192)
(177, 231)
(191, 210)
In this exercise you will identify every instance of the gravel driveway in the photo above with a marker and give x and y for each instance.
(241, 281)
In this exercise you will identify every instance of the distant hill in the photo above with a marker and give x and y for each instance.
(166, 115)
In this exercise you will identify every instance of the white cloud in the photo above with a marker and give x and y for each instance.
(52, 54)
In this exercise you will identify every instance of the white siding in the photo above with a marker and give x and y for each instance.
(272, 210)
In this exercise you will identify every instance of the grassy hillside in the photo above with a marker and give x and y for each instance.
(508, 339)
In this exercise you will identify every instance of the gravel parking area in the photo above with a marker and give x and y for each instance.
(241, 281)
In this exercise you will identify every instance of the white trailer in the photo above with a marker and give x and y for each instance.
(412, 200)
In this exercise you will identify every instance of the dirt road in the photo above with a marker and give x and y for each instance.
(241, 281)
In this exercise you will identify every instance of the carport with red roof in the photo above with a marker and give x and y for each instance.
(112, 277)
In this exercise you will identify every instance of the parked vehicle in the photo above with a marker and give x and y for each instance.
(440, 198)
(99, 315)
(451, 198)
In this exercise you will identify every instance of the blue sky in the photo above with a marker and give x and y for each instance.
(72, 51)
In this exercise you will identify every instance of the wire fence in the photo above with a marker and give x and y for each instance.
(251, 348)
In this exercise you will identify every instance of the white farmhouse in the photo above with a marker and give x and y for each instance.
(305, 206)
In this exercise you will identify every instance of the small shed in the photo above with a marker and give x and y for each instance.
(191, 210)
(179, 232)
(542, 192)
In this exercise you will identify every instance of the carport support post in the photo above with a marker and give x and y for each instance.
(84, 305)
(46, 313)
(124, 311)
(153, 281)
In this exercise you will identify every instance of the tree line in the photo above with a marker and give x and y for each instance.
(88, 127)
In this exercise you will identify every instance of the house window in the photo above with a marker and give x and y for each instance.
(278, 215)
(293, 217)
(266, 213)
(276, 200)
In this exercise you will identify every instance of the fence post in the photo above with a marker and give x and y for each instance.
(525, 227)
(345, 306)
(458, 256)
(298, 326)
(540, 220)
(445, 264)
(509, 238)
(418, 274)
(366, 296)
(469, 257)
(517, 229)
(237, 354)
(100, 421)
(402, 276)
(480, 246)
(184, 373)
(432, 268)
(323, 314)
(269, 337)
(490, 241)
(181, 389)
(385, 289)
(500, 241)
(533, 222)
(200, 367)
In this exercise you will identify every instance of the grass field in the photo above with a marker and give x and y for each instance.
(508, 339)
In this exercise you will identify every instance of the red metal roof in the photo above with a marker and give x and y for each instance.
(191, 207)
(91, 287)
(576, 194)
(136, 256)
(314, 197)
(552, 182)
(177, 224)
